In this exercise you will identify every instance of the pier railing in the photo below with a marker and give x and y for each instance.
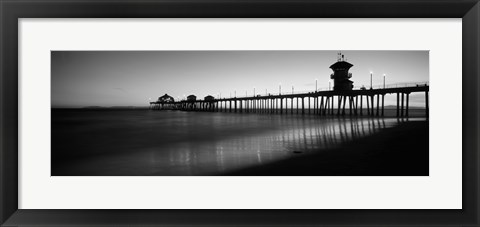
(323, 89)
(396, 85)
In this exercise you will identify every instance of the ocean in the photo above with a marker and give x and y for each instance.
(112, 142)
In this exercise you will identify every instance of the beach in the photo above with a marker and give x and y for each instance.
(403, 151)
(113, 142)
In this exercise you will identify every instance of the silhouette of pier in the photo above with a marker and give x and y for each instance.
(343, 96)
(359, 102)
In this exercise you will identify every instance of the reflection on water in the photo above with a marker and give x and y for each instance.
(179, 143)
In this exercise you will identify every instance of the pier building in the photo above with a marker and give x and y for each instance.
(341, 76)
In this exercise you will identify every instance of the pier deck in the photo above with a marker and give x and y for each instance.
(323, 102)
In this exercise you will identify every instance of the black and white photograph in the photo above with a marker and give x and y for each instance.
(240, 113)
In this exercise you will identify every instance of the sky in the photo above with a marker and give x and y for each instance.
(134, 78)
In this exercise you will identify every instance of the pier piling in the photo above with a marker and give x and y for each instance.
(324, 103)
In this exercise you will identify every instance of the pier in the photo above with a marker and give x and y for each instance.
(359, 102)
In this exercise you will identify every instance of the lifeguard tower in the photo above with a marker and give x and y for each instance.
(341, 76)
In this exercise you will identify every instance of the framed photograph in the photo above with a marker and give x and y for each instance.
(161, 113)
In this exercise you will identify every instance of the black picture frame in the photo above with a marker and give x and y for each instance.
(12, 10)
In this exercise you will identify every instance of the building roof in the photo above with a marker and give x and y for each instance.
(166, 98)
(341, 65)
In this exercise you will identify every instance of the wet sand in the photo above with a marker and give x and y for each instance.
(403, 151)
(171, 143)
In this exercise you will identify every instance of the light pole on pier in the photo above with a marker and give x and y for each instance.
(279, 89)
(253, 91)
(235, 94)
(292, 89)
(384, 81)
(329, 85)
(371, 76)
(316, 85)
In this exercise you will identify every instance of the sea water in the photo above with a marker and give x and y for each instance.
(176, 143)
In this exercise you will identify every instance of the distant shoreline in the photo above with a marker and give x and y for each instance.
(103, 108)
